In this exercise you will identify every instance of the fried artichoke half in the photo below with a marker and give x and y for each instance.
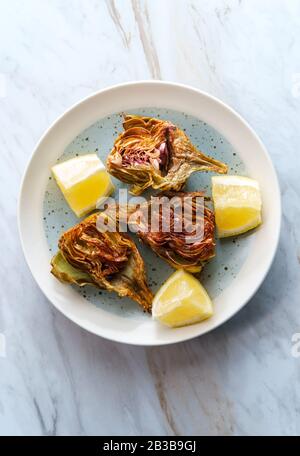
(107, 260)
(185, 244)
(155, 153)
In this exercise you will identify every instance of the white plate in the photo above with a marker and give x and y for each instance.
(129, 328)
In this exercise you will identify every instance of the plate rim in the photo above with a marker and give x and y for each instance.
(175, 85)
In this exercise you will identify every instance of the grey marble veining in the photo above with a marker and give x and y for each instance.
(241, 379)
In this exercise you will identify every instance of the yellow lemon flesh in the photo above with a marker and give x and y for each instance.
(84, 182)
(181, 301)
(237, 203)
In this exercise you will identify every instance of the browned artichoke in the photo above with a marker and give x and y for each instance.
(155, 153)
(187, 245)
(107, 260)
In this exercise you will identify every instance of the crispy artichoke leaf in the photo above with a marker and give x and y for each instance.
(173, 246)
(131, 281)
(66, 273)
(155, 153)
(107, 260)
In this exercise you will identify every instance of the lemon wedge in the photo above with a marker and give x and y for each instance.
(84, 182)
(181, 301)
(237, 203)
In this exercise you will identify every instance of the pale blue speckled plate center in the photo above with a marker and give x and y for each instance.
(99, 138)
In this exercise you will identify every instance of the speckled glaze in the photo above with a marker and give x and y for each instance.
(99, 138)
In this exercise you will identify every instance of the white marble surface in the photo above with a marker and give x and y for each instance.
(242, 378)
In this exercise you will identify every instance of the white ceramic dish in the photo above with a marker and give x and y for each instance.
(131, 96)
